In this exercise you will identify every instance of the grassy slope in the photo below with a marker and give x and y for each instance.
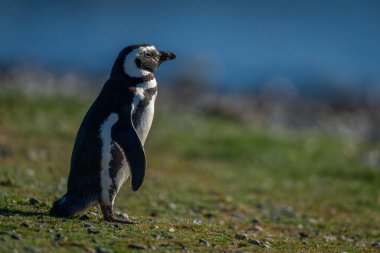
(309, 192)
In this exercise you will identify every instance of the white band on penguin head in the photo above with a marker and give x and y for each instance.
(130, 66)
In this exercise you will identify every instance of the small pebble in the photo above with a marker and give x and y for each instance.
(102, 250)
(40, 224)
(257, 228)
(241, 237)
(255, 221)
(172, 206)
(124, 215)
(16, 237)
(32, 249)
(26, 225)
(268, 239)
(303, 235)
(84, 217)
(5, 151)
(209, 215)
(89, 250)
(34, 201)
(255, 242)
(93, 231)
(286, 209)
(154, 214)
(32, 154)
(59, 237)
(57, 228)
(312, 220)
(344, 238)
(329, 238)
(204, 242)
(260, 206)
(197, 221)
(135, 246)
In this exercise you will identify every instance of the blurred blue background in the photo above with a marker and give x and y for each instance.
(230, 43)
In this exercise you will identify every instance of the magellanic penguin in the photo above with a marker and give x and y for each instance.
(109, 144)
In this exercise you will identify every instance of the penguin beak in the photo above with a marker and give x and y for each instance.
(166, 56)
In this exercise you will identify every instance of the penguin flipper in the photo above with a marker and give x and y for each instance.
(125, 135)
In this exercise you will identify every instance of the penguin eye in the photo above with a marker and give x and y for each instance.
(147, 54)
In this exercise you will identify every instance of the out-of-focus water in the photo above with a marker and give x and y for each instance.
(231, 42)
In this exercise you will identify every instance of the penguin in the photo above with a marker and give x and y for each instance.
(109, 146)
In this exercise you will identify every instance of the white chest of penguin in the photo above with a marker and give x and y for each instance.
(143, 108)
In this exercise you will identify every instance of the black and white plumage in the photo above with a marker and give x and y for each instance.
(109, 144)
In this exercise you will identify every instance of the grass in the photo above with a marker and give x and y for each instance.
(208, 179)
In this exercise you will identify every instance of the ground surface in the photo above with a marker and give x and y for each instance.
(212, 185)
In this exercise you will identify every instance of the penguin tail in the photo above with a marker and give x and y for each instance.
(68, 206)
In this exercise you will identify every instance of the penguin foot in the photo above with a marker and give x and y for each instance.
(108, 215)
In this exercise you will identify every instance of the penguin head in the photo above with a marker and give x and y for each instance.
(142, 59)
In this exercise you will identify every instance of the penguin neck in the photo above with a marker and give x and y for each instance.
(141, 81)
(152, 83)
(146, 80)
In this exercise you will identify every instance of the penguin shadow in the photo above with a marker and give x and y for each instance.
(6, 212)
(11, 212)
